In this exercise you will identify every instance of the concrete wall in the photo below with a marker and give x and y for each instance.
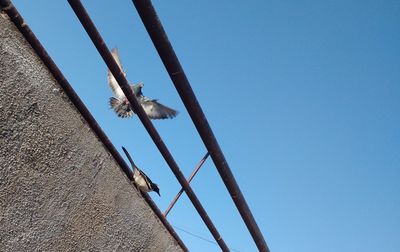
(60, 190)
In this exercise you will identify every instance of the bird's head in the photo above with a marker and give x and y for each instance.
(156, 189)
(137, 88)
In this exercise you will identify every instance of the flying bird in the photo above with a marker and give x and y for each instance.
(141, 180)
(120, 104)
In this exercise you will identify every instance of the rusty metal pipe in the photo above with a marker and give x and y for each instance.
(18, 21)
(97, 40)
(171, 62)
(178, 195)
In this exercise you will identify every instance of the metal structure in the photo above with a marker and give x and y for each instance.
(171, 62)
(178, 195)
(164, 48)
(99, 43)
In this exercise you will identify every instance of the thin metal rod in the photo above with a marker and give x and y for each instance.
(123, 83)
(18, 21)
(178, 195)
(167, 54)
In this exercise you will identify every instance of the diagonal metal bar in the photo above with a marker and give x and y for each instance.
(171, 62)
(30, 37)
(178, 195)
(97, 40)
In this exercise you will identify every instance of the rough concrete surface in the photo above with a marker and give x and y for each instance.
(60, 190)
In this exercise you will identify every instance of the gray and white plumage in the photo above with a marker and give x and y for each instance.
(140, 179)
(121, 105)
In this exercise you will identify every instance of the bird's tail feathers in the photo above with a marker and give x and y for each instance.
(129, 158)
(123, 110)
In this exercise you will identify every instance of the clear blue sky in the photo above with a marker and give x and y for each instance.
(303, 96)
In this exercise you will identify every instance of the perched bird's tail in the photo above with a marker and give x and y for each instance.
(122, 109)
(129, 158)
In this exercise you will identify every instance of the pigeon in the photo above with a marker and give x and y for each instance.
(141, 180)
(120, 104)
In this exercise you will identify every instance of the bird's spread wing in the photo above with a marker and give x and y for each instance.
(112, 82)
(156, 110)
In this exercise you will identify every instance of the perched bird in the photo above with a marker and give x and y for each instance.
(143, 182)
(121, 105)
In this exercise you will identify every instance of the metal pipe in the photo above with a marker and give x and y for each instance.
(18, 21)
(97, 40)
(171, 62)
(178, 195)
